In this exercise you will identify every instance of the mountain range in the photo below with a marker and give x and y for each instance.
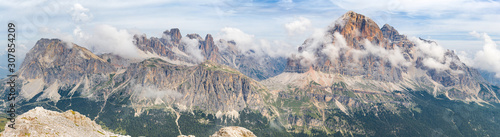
(354, 78)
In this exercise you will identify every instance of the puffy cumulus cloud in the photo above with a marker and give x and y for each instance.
(489, 57)
(464, 57)
(433, 63)
(420, 7)
(192, 48)
(108, 39)
(298, 26)
(80, 13)
(246, 42)
(68, 39)
(333, 51)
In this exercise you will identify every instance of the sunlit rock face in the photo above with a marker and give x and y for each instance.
(355, 46)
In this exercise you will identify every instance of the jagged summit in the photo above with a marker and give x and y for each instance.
(194, 49)
(41, 122)
(233, 131)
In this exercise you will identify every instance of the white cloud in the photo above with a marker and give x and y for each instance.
(263, 19)
(298, 26)
(67, 38)
(489, 57)
(80, 13)
(246, 42)
(307, 58)
(192, 48)
(318, 38)
(243, 40)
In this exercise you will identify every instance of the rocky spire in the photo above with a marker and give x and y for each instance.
(390, 33)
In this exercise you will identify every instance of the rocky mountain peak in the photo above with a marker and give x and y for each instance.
(194, 36)
(391, 33)
(357, 27)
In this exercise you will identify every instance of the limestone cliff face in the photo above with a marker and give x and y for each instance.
(356, 47)
(356, 27)
(175, 36)
(41, 122)
(53, 59)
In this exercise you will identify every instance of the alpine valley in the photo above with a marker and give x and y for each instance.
(355, 78)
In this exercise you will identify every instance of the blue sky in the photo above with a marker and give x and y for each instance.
(449, 22)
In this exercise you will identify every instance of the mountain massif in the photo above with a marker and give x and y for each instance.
(352, 79)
